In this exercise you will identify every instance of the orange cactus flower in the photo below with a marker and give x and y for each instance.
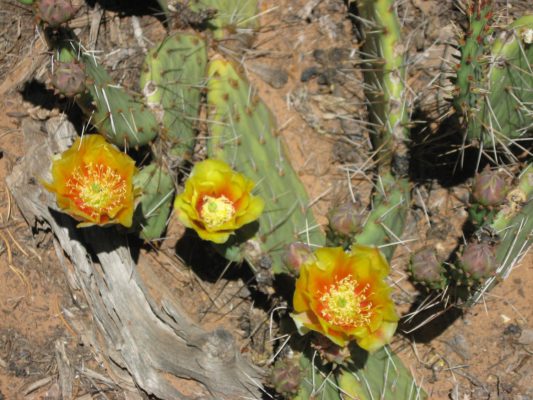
(217, 201)
(344, 297)
(93, 183)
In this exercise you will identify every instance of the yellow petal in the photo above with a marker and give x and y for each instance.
(378, 338)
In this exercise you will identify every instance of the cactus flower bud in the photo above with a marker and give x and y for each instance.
(286, 376)
(329, 352)
(478, 260)
(55, 12)
(69, 78)
(345, 219)
(490, 188)
(426, 269)
(295, 255)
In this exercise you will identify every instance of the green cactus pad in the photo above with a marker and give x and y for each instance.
(243, 133)
(172, 80)
(157, 189)
(232, 15)
(384, 76)
(120, 116)
(385, 224)
(380, 375)
(514, 226)
(469, 72)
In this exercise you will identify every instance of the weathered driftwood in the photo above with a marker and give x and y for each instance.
(147, 341)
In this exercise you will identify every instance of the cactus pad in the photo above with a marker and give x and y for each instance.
(172, 80)
(243, 133)
(157, 189)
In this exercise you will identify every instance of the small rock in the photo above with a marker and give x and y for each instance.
(526, 337)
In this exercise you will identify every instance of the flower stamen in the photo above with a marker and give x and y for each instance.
(97, 188)
(345, 303)
(216, 211)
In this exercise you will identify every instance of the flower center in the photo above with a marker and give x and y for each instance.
(97, 187)
(345, 303)
(216, 211)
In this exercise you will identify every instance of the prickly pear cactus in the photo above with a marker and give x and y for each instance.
(120, 116)
(385, 224)
(232, 17)
(495, 85)
(512, 227)
(384, 76)
(156, 189)
(379, 375)
(172, 80)
(242, 132)
(473, 49)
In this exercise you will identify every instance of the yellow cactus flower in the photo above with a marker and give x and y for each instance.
(217, 201)
(93, 183)
(344, 297)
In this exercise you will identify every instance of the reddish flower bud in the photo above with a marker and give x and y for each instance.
(69, 78)
(478, 260)
(295, 255)
(490, 188)
(426, 269)
(55, 12)
(345, 219)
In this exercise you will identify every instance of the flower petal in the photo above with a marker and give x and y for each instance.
(217, 201)
(344, 296)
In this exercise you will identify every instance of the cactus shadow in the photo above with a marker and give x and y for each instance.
(128, 8)
(203, 259)
(440, 154)
(424, 325)
(38, 94)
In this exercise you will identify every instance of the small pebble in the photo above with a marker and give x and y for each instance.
(526, 337)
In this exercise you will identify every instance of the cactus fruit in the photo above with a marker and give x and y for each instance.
(157, 190)
(426, 269)
(286, 376)
(494, 87)
(242, 132)
(172, 80)
(55, 12)
(490, 188)
(122, 118)
(68, 78)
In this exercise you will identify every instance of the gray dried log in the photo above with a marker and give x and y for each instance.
(147, 342)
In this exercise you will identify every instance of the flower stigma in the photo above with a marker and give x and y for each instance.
(216, 211)
(345, 304)
(97, 187)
